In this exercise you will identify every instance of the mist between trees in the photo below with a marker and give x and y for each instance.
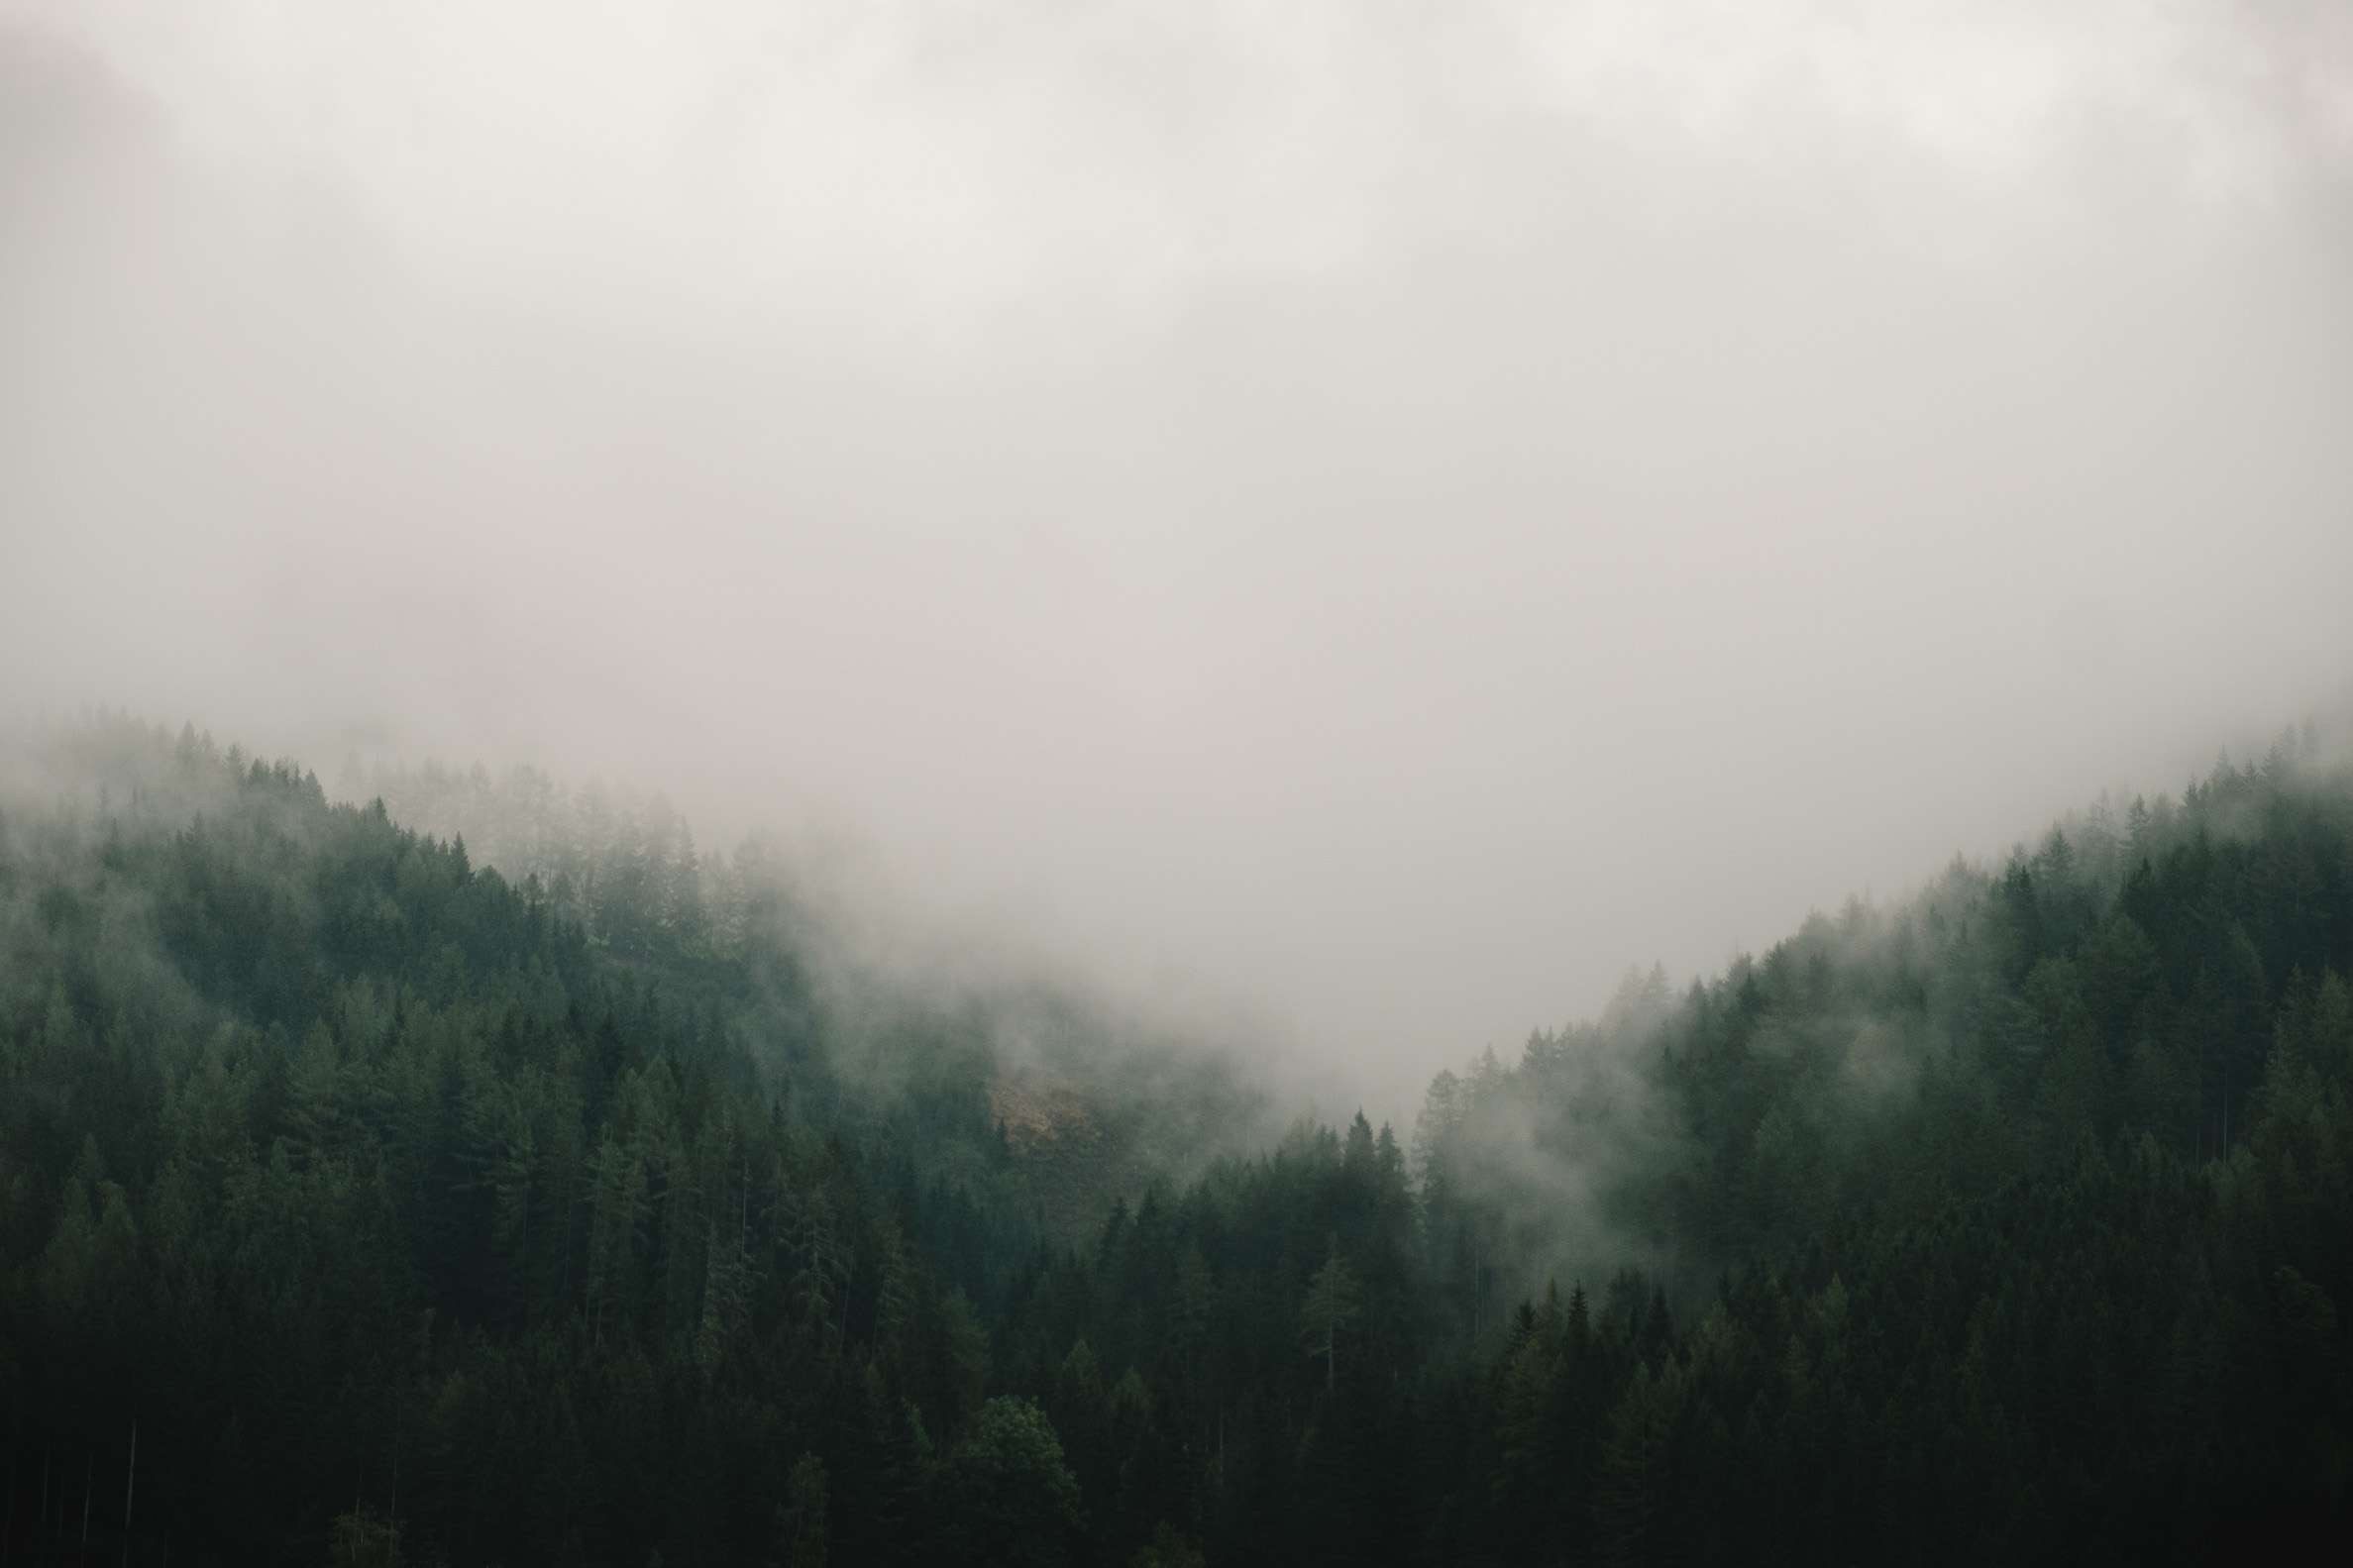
(479, 1171)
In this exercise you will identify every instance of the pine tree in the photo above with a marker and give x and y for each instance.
(1330, 1307)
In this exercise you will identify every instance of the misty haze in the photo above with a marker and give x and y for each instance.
(1171, 784)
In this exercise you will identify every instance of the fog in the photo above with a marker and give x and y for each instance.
(1370, 518)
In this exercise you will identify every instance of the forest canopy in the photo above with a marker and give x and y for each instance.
(477, 1172)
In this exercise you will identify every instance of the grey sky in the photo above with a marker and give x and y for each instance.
(1384, 513)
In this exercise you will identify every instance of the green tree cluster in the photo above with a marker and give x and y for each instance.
(430, 1205)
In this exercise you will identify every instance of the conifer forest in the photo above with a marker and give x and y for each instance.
(412, 1204)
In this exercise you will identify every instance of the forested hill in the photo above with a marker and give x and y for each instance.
(413, 1210)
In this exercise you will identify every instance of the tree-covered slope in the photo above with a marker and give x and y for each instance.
(326, 1155)
(561, 1212)
(2012, 1222)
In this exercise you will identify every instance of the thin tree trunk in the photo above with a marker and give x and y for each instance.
(90, 1470)
(1478, 1286)
(130, 1481)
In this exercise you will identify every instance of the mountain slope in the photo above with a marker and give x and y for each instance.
(414, 1212)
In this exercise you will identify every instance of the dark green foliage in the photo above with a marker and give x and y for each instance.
(348, 1168)
(417, 1214)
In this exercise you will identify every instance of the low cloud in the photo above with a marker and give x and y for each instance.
(1385, 516)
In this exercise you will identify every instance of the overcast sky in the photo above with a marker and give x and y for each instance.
(1384, 513)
